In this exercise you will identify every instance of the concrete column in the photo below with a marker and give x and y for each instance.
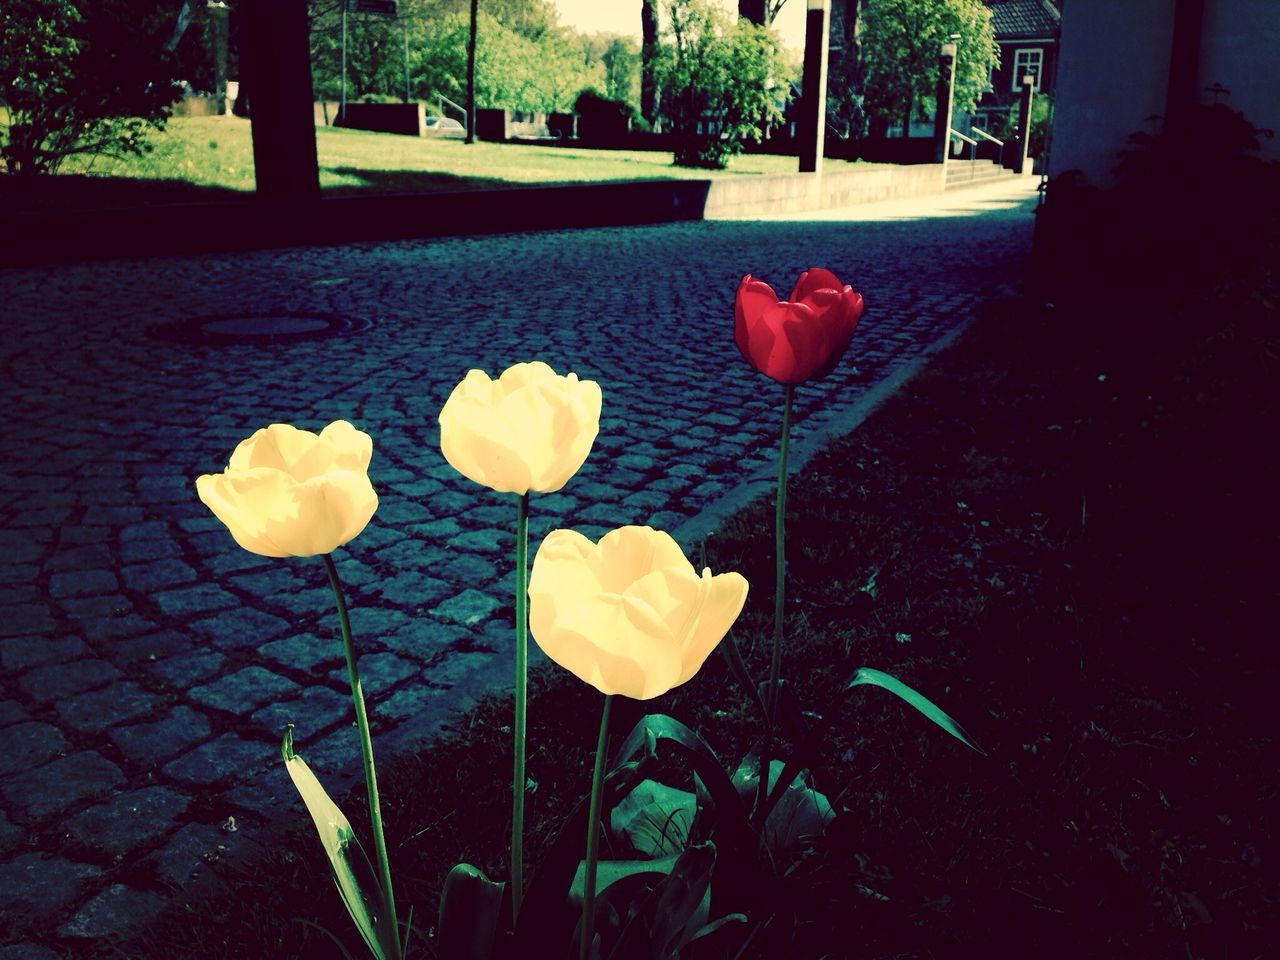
(813, 102)
(1022, 163)
(277, 57)
(944, 95)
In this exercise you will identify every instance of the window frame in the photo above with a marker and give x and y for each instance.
(1016, 80)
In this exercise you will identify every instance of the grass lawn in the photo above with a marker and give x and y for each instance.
(1064, 532)
(204, 157)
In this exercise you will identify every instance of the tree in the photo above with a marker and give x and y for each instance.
(720, 82)
(75, 83)
(901, 41)
(760, 12)
(648, 60)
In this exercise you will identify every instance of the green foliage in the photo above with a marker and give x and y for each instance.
(720, 81)
(1041, 108)
(523, 60)
(81, 82)
(901, 43)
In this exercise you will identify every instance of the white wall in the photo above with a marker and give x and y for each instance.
(1113, 74)
(1238, 49)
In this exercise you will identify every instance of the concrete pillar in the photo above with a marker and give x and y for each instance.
(276, 56)
(813, 103)
(944, 95)
(1022, 163)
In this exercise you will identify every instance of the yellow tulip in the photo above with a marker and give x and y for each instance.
(293, 493)
(530, 429)
(628, 615)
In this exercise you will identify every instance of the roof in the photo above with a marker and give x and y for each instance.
(1017, 19)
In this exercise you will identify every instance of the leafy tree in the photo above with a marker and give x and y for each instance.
(74, 81)
(901, 40)
(537, 67)
(721, 80)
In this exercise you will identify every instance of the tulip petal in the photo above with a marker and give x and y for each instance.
(616, 644)
(561, 574)
(353, 449)
(331, 510)
(722, 599)
(243, 499)
(475, 442)
(753, 299)
(812, 280)
(626, 554)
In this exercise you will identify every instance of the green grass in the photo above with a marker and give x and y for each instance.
(217, 152)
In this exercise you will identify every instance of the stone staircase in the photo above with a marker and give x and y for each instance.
(971, 173)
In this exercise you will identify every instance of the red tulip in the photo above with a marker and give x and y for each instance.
(798, 339)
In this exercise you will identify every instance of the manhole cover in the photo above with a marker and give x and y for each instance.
(264, 328)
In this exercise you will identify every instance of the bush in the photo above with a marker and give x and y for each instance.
(77, 83)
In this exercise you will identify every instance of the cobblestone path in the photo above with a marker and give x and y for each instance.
(147, 663)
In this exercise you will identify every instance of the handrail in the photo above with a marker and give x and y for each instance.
(986, 136)
(441, 100)
(968, 140)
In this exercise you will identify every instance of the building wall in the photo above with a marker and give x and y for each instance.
(1113, 73)
(1238, 50)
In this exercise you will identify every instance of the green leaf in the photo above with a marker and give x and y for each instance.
(470, 912)
(352, 871)
(798, 813)
(865, 675)
(609, 872)
(654, 818)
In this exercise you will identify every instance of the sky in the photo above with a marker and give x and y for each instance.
(623, 17)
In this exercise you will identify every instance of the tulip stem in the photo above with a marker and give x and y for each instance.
(366, 751)
(779, 594)
(518, 778)
(593, 837)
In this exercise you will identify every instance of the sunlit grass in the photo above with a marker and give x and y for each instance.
(218, 151)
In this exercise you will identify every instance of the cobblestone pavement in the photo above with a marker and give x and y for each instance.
(148, 663)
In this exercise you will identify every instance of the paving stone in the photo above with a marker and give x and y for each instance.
(10, 836)
(186, 670)
(379, 672)
(157, 575)
(18, 653)
(196, 599)
(141, 551)
(29, 745)
(239, 628)
(57, 785)
(95, 608)
(467, 607)
(436, 530)
(410, 588)
(225, 758)
(192, 849)
(241, 692)
(88, 557)
(303, 651)
(114, 910)
(56, 681)
(150, 646)
(611, 513)
(317, 709)
(75, 583)
(305, 602)
(423, 638)
(94, 712)
(393, 513)
(36, 888)
(11, 712)
(25, 619)
(484, 541)
(129, 820)
(418, 489)
(152, 742)
(373, 622)
(464, 569)
(27, 951)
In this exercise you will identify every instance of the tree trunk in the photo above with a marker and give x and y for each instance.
(648, 50)
(906, 116)
(471, 75)
(754, 10)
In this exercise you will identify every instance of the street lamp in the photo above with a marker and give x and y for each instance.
(942, 115)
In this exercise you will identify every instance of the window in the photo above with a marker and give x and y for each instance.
(1028, 61)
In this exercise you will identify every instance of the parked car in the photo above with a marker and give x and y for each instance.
(444, 127)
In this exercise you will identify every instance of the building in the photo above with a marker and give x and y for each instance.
(1027, 34)
(1127, 66)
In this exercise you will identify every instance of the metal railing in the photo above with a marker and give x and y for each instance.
(973, 149)
(441, 100)
(986, 136)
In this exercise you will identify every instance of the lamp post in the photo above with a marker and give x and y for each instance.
(1023, 166)
(942, 114)
(813, 103)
